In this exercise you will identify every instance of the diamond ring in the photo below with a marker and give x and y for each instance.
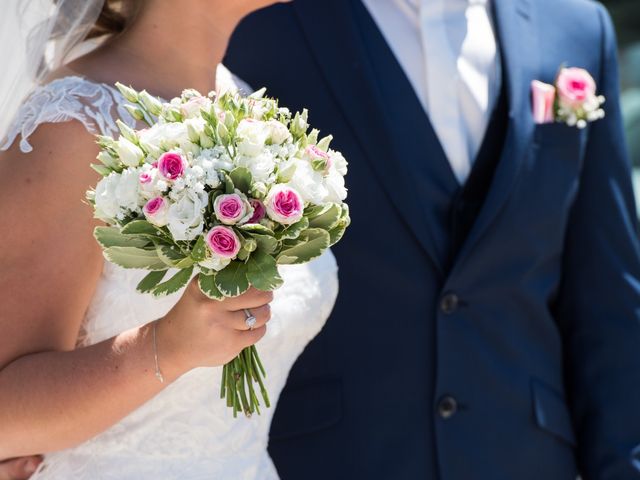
(251, 320)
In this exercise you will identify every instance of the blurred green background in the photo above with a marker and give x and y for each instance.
(626, 16)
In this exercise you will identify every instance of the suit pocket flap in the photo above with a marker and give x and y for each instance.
(551, 412)
(558, 134)
(307, 408)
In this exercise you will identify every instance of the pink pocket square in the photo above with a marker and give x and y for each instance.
(543, 95)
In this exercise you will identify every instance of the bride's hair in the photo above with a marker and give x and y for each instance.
(115, 16)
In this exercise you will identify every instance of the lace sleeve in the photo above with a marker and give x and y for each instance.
(95, 105)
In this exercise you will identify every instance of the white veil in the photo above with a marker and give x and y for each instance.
(36, 37)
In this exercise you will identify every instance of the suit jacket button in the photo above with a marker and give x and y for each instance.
(449, 303)
(447, 407)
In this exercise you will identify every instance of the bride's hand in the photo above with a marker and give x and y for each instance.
(19, 468)
(200, 332)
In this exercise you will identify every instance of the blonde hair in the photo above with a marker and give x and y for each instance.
(115, 16)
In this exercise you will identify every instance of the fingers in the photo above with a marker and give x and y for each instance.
(262, 314)
(19, 468)
(251, 337)
(252, 298)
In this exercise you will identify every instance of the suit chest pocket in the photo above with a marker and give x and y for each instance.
(560, 141)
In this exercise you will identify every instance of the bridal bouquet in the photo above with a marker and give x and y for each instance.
(224, 186)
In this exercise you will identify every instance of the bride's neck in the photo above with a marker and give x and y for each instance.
(169, 47)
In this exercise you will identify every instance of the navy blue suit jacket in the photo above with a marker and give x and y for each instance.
(521, 359)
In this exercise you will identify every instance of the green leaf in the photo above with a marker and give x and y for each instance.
(293, 231)
(111, 237)
(262, 272)
(242, 179)
(173, 257)
(199, 251)
(208, 286)
(338, 231)
(141, 227)
(232, 280)
(336, 234)
(229, 186)
(313, 211)
(148, 283)
(175, 283)
(266, 243)
(324, 143)
(185, 263)
(310, 244)
(256, 228)
(101, 169)
(328, 219)
(132, 257)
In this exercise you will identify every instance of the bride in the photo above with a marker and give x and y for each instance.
(79, 346)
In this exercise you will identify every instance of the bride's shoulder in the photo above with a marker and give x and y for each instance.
(67, 98)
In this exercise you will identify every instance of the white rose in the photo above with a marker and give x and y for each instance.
(279, 133)
(253, 135)
(127, 190)
(163, 136)
(130, 154)
(185, 219)
(308, 182)
(106, 204)
(338, 162)
(261, 166)
(335, 187)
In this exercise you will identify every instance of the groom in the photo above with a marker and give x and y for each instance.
(488, 325)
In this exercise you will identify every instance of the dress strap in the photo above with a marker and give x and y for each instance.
(95, 105)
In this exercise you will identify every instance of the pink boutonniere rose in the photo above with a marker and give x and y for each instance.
(572, 100)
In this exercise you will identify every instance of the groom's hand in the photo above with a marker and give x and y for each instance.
(19, 468)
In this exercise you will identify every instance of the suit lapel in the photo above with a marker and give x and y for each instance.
(343, 60)
(514, 25)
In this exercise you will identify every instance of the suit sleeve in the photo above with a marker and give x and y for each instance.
(599, 301)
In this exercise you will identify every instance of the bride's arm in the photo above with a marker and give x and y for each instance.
(52, 396)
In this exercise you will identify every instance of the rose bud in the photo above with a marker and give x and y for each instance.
(223, 242)
(229, 209)
(575, 87)
(284, 205)
(320, 160)
(155, 211)
(171, 165)
(259, 211)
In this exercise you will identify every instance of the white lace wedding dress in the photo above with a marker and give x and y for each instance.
(186, 432)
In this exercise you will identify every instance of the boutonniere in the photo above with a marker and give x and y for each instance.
(571, 100)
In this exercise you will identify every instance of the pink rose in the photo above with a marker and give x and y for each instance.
(155, 211)
(145, 178)
(543, 96)
(575, 86)
(229, 208)
(171, 165)
(284, 205)
(320, 160)
(223, 242)
(259, 211)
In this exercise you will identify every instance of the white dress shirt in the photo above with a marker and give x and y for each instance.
(448, 51)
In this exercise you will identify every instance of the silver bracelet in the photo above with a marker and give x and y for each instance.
(159, 375)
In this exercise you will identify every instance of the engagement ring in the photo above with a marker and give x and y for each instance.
(251, 320)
